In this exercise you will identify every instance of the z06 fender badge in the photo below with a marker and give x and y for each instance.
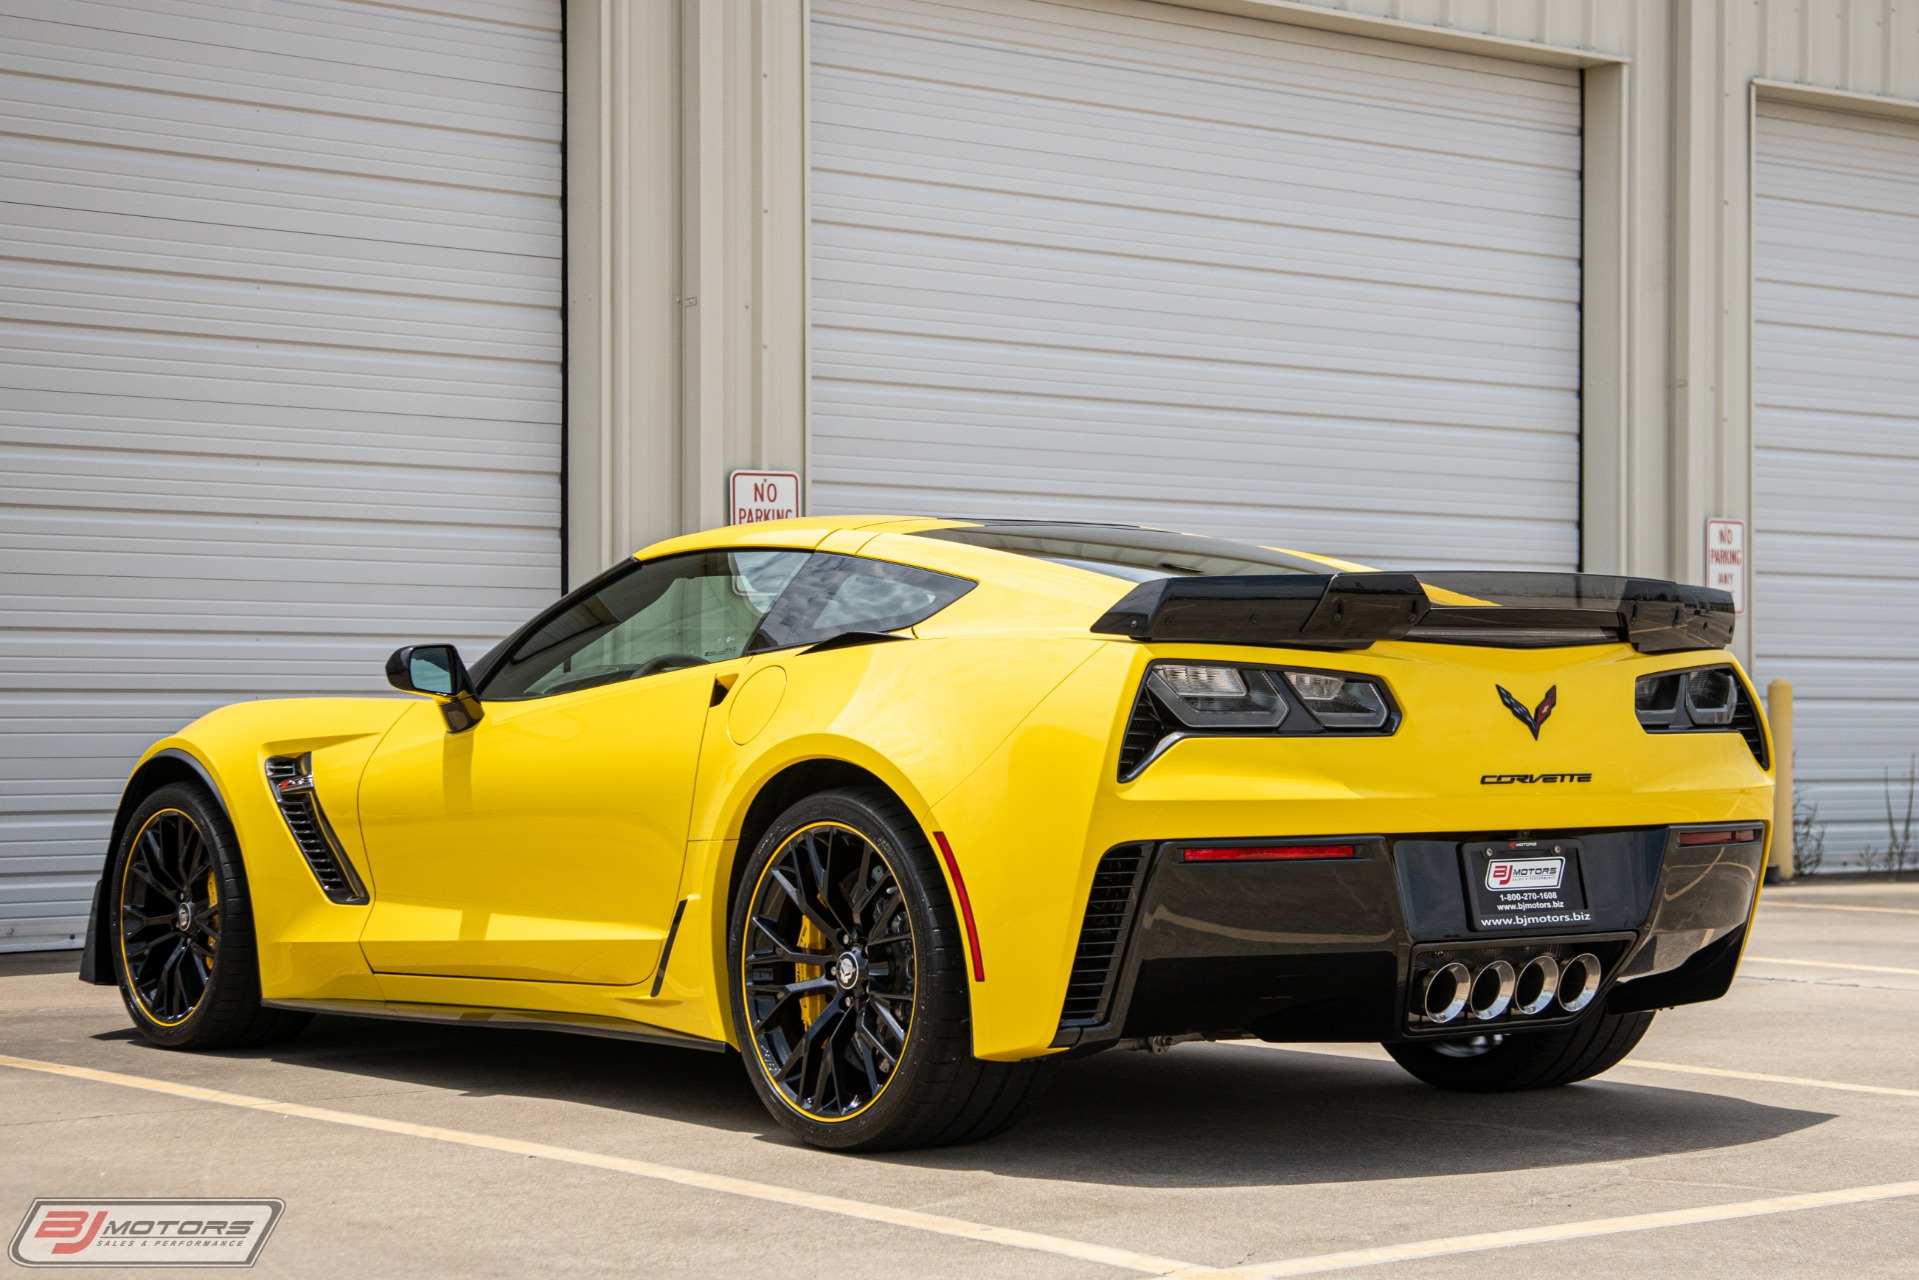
(1502, 779)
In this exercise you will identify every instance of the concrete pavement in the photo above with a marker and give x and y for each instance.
(1215, 1156)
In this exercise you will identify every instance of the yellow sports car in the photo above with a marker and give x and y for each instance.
(906, 810)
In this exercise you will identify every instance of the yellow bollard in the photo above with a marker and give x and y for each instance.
(1779, 716)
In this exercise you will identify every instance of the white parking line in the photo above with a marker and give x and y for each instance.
(1369, 1054)
(1450, 1245)
(1802, 1082)
(1831, 964)
(1839, 906)
(1125, 1259)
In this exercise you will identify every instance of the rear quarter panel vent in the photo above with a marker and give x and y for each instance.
(1745, 719)
(1102, 935)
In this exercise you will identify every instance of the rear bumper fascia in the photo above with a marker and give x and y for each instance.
(1328, 950)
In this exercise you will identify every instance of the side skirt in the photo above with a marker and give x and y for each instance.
(579, 1024)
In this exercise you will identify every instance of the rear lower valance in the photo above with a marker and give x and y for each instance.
(1352, 610)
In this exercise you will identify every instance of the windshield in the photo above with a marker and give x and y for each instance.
(1128, 552)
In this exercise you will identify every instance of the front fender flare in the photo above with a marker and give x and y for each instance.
(168, 761)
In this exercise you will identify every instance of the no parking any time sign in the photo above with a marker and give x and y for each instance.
(1726, 559)
(754, 497)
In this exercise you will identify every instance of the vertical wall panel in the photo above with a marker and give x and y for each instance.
(1836, 408)
(279, 373)
(1128, 262)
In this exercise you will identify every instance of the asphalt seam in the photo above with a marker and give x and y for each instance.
(1840, 906)
(1831, 964)
(1843, 984)
(1802, 1082)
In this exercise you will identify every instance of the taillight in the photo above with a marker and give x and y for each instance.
(1340, 702)
(1213, 696)
(1700, 700)
(1180, 699)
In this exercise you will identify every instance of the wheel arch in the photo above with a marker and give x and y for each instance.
(167, 764)
(784, 787)
(784, 790)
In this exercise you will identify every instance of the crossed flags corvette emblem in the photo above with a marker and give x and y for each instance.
(1537, 716)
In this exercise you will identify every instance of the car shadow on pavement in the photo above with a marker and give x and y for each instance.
(1199, 1116)
(1236, 1115)
(684, 1085)
(34, 963)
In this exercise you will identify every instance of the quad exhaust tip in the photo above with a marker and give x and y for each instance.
(1537, 986)
(1492, 992)
(1447, 990)
(1579, 982)
(1486, 994)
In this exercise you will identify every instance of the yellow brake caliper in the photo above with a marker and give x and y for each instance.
(811, 941)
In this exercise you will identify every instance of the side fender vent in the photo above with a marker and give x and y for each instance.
(290, 778)
(1102, 937)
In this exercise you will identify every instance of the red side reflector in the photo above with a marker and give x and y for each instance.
(1739, 835)
(965, 906)
(1269, 853)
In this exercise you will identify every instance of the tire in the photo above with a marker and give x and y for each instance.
(1531, 1060)
(882, 1081)
(181, 930)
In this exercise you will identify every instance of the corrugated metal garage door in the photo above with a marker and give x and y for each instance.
(1836, 454)
(1124, 261)
(280, 377)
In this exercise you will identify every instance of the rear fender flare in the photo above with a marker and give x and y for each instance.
(714, 875)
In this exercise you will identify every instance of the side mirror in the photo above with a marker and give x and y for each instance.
(436, 670)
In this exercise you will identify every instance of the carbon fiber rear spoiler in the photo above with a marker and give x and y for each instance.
(1352, 610)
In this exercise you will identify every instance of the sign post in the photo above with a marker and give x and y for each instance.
(1726, 559)
(753, 497)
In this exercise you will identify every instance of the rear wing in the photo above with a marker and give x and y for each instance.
(1352, 610)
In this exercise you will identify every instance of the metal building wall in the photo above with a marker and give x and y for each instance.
(1136, 262)
(696, 355)
(689, 223)
(279, 374)
(1836, 457)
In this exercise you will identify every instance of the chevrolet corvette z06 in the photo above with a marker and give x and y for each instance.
(908, 810)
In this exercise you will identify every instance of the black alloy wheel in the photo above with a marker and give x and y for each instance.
(828, 971)
(169, 919)
(851, 998)
(179, 926)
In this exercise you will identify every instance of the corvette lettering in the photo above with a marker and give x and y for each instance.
(1506, 779)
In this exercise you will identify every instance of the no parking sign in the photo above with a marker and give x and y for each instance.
(754, 497)
(1726, 559)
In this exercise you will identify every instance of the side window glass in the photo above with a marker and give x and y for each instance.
(833, 595)
(680, 612)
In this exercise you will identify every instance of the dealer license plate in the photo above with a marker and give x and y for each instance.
(1525, 885)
